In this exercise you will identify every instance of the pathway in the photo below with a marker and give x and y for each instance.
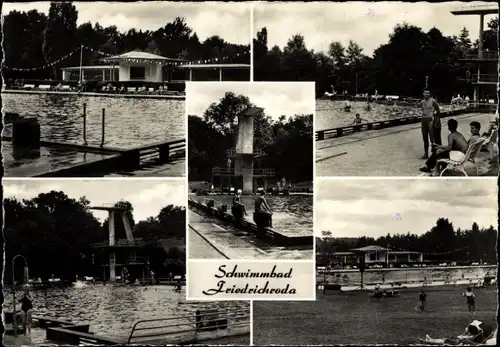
(390, 152)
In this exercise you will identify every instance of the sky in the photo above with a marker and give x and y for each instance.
(277, 98)
(229, 21)
(147, 197)
(373, 208)
(366, 23)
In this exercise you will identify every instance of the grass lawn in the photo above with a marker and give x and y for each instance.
(357, 318)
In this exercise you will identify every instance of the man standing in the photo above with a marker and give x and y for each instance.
(431, 122)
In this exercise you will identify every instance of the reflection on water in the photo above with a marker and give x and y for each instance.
(129, 122)
(291, 214)
(20, 163)
(112, 310)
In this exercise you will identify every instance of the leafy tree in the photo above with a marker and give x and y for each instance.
(288, 144)
(60, 35)
(55, 234)
(441, 243)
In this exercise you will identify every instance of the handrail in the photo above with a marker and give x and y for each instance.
(156, 144)
(192, 323)
(484, 55)
(480, 78)
(267, 171)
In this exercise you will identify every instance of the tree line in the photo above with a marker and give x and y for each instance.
(287, 142)
(441, 243)
(33, 39)
(55, 234)
(398, 67)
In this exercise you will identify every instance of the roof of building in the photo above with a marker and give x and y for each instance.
(476, 9)
(373, 248)
(90, 67)
(137, 55)
(404, 252)
(214, 66)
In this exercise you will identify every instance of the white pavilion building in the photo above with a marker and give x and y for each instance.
(138, 66)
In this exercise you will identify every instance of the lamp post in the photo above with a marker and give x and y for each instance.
(14, 289)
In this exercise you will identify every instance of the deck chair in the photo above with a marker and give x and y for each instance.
(470, 155)
(492, 139)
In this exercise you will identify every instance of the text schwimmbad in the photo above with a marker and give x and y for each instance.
(264, 274)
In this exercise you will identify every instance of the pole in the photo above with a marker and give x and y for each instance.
(81, 62)
(103, 127)
(426, 82)
(388, 255)
(85, 124)
(356, 83)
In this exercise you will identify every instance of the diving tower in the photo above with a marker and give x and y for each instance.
(483, 59)
(130, 244)
(243, 156)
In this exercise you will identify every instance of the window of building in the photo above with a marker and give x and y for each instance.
(137, 73)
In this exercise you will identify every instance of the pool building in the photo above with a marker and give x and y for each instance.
(146, 67)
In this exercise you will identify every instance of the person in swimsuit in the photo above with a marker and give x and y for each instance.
(471, 302)
(476, 332)
(421, 300)
(26, 311)
(456, 143)
(358, 120)
(237, 201)
(431, 122)
(261, 205)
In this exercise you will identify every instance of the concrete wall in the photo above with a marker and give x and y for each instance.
(243, 166)
(154, 72)
(244, 143)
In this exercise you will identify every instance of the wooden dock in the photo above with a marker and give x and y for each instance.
(271, 235)
(114, 160)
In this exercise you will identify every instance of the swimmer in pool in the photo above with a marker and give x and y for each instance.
(358, 120)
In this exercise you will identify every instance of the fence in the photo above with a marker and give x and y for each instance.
(233, 323)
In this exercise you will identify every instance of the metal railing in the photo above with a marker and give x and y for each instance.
(118, 243)
(482, 78)
(484, 56)
(193, 323)
(264, 172)
(233, 153)
(232, 171)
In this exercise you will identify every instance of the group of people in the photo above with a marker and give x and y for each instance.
(476, 332)
(457, 146)
(260, 205)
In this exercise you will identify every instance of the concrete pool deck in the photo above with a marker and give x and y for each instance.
(225, 243)
(392, 151)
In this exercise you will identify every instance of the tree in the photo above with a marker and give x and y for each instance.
(464, 40)
(60, 35)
